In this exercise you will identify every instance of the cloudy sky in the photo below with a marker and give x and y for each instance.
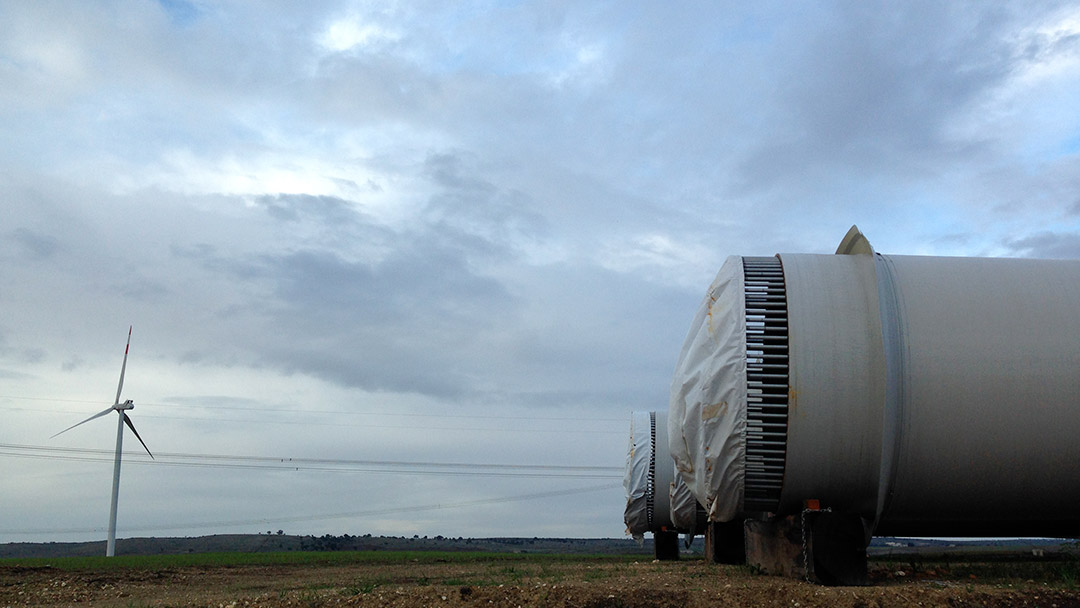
(406, 268)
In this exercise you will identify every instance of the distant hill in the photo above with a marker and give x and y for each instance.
(254, 543)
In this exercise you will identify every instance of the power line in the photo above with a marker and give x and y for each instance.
(308, 422)
(309, 468)
(321, 460)
(219, 461)
(306, 518)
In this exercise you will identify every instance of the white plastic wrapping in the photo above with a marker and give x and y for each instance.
(707, 415)
(638, 460)
(684, 507)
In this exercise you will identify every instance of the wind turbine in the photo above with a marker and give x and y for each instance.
(122, 419)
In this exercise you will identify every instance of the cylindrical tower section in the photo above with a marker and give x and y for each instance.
(650, 474)
(837, 383)
(987, 396)
(926, 395)
(663, 474)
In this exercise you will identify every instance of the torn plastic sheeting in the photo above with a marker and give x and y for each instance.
(638, 461)
(707, 415)
(684, 507)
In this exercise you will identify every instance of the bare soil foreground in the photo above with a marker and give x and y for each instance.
(499, 581)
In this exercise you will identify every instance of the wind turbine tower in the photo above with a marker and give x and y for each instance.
(122, 419)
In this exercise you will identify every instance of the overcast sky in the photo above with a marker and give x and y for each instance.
(378, 238)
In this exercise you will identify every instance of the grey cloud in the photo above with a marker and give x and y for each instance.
(409, 322)
(72, 363)
(1043, 46)
(424, 279)
(329, 223)
(213, 400)
(446, 170)
(472, 204)
(368, 89)
(590, 335)
(192, 357)
(953, 240)
(1016, 191)
(35, 245)
(24, 355)
(16, 354)
(423, 320)
(143, 290)
(291, 207)
(876, 90)
(1054, 245)
(369, 185)
(212, 258)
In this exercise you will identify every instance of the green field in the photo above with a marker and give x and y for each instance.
(307, 558)
(507, 580)
(1059, 569)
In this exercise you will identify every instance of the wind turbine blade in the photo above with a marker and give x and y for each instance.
(123, 368)
(127, 421)
(97, 415)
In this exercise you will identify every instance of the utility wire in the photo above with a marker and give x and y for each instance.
(218, 461)
(386, 426)
(307, 518)
(321, 460)
(366, 425)
(270, 467)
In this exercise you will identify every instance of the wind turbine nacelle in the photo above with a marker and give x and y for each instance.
(127, 405)
(929, 396)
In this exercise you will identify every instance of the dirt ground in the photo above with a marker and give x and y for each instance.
(495, 583)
